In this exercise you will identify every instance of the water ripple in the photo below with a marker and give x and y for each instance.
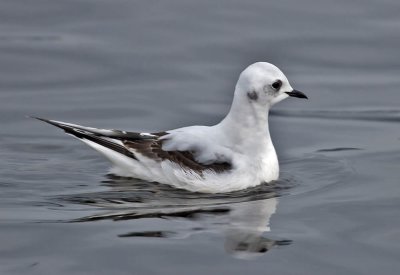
(391, 115)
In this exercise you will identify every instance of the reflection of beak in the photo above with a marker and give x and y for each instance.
(296, 93)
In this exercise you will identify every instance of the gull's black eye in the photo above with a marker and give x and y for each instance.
(277, 85)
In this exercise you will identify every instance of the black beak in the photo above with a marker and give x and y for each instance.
(296, 93)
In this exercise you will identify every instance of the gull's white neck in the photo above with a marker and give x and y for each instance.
(246, 132)
(247, 123)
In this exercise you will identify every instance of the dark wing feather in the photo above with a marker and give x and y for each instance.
(153, 149)
(115, 134)
(87, 133)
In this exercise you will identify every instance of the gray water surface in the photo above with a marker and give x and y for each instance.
(157, 65)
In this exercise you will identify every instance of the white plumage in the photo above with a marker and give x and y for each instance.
(235, 154)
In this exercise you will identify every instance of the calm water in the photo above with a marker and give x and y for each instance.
(154, 65)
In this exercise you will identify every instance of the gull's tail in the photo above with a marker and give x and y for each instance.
(98, 138)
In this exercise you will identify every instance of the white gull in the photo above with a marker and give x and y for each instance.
(235, 154)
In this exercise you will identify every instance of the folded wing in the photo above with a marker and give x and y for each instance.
(137, 145)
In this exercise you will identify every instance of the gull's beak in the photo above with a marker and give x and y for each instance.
(296, 93)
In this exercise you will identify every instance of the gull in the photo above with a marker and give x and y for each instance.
(235, 154)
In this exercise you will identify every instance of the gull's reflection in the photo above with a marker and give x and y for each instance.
(243, 217)
(248, 223)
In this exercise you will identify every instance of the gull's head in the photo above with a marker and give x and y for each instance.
(264, 84)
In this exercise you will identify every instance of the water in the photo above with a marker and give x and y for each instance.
(156, 65)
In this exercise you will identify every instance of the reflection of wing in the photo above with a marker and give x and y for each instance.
(243, 223)
(181, 212)
(135, 146)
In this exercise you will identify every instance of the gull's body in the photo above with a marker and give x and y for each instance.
(235, 154)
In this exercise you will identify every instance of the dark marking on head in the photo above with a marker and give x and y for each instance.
(252, 95)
